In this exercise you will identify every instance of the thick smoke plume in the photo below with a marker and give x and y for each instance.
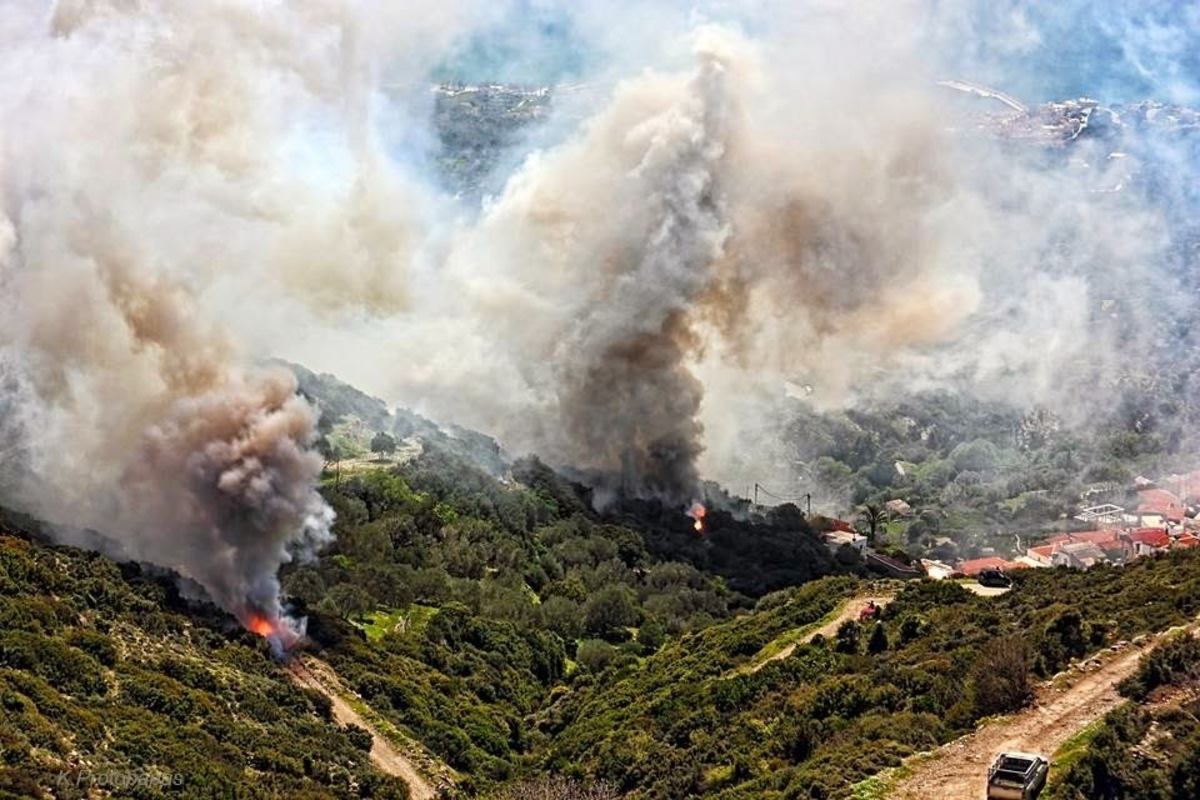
(134, 420)
(141, 167)
(696, 245)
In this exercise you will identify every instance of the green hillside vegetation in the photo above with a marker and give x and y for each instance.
(514, 632)
(487, 611)
(456, 604)
(975, 473)
(836, 711)
(563, 641)
(1140, 751)
(104, 669)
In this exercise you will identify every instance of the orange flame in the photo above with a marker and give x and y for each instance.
(260, 625)
(697, 512)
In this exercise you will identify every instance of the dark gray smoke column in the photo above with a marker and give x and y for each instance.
(223, 488)
(133, 418)
(630, 403)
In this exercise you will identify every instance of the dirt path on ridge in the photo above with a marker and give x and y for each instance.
(849, 611)
(958, 770)
(383, 754)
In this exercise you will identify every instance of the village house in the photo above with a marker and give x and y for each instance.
(1146, 542)
(835, 539)
(1081, 555)
(974, 566)
(1158, 507)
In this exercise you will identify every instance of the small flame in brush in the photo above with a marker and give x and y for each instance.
(280, 634)
(259, 624)
(697, 511)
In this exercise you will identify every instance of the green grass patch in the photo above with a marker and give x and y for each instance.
(384, 621)
(881, 785)
(1067, 756)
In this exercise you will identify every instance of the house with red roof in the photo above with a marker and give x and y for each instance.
(1102, 545)
(1100, 538)
(1147, 541)
(1042, 554)
(1186, 542)
(976, 565)
(1153, 502)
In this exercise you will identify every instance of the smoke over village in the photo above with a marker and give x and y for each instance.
(727, 220)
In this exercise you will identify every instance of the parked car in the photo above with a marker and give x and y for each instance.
(993, 577)
(1017, 776)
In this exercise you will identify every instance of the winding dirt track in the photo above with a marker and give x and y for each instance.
(849, 611)
(385, 756)
(958, 770)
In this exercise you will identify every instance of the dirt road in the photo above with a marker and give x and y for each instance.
(384, 755)
(958, 770)
(849, 611)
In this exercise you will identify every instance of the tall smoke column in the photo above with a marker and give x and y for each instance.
(141, 424)
(781, 206)
(230, 474)
(609, 242)
(696, 244)
(181, 186)
(630, 401)
(129, 410)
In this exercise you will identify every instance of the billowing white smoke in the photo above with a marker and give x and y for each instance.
(145, 159)
(187, 187)
(133, 419)
(609, 242)
(694, 244)
(788, 210)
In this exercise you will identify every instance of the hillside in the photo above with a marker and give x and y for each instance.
(109, 679)
(839, 710)
(637, 683)
(509, 630)
(453, 605)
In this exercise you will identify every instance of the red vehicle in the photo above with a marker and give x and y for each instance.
(869, 612)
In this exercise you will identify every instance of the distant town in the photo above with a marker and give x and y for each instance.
(1160, 521)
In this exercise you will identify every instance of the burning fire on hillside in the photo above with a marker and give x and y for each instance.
(282, 635)
(697, 512)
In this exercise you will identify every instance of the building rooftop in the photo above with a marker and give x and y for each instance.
(977, 565)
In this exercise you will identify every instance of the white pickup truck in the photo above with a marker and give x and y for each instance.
(1017, 776)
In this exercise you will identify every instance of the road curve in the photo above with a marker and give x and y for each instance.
(383, 754)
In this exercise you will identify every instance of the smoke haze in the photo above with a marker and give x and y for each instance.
(762, 200)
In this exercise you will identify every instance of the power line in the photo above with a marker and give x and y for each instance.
(806, 497)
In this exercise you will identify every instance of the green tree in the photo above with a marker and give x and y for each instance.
(360, 737)
(1000, 678)
(874, 516)
(878, 641)
(563, 616)
(383, 443)
(848, 635)
(595, 654)
(305, 583)
(611, 608)
(349, 600)
(652, 634)
(1185, 780)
